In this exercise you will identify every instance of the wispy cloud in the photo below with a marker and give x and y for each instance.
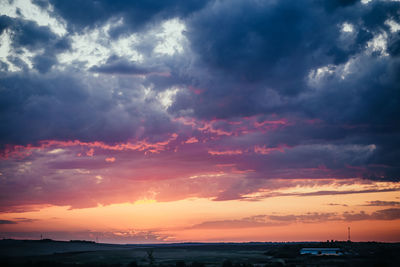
(7, 222)
(386, 214)
(337, 204)
(18, 220)
(310, 217)
(382, 203)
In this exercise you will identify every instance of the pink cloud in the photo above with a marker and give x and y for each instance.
(267, 150)
(90, 152)
(272, 122)
(192, 140)
(142, 145)
(218, 128)
(226, 152)
(112, 159)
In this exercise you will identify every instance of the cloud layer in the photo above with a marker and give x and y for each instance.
(125, 97)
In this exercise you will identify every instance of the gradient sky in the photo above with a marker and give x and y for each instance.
(220, 120)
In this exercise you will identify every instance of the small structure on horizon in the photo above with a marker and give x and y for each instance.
(321, 251)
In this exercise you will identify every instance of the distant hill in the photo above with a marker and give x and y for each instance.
(17, 248)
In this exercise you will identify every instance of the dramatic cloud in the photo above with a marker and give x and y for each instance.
(106, 102)
(66, 107)
(26, 38)
(134, 15)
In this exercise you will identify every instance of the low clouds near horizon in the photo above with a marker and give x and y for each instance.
(118, 100)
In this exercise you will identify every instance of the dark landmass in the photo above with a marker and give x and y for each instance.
(90, 254)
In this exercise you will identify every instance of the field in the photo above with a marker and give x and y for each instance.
(82, 253)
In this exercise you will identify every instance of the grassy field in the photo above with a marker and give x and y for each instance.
(56, 253)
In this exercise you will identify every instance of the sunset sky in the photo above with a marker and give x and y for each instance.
(154, 121)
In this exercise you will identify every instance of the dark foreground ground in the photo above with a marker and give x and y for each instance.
(78, 253)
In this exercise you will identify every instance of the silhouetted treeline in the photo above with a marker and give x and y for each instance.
(131, 264)
(179, 263)
(82, 241)
(57, 264)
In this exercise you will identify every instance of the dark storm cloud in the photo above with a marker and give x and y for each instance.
(262, 55)
(394, 45)
(120, 68)
(38, 107)
(245, 58)
(264, 51)
(28, 34)
(367, 101)
(268, 40)
(333, 4)
(368, 96)
(115, 65)
(43, 63)
(135, 14)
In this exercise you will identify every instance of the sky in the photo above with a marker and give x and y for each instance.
(200, 120)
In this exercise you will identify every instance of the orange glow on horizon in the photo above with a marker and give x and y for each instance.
(280, 218)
